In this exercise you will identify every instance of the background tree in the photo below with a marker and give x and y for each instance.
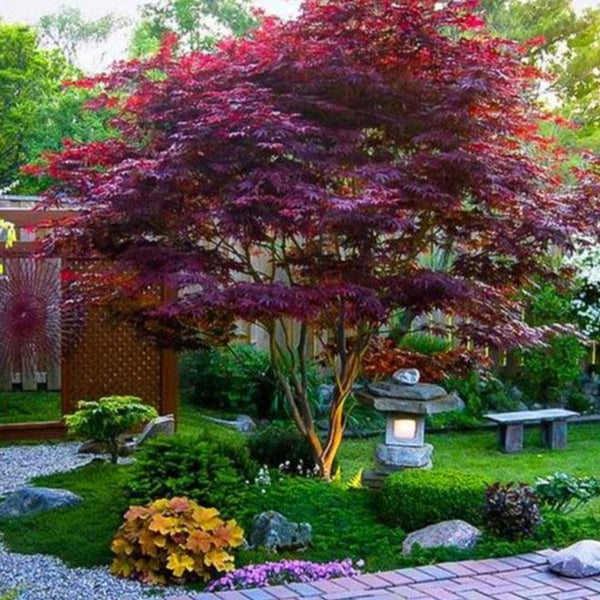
(295, 179)
(198, 24)
(68, 31)
(569, 49)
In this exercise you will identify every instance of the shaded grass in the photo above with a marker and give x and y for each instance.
(80, 535)
(28, 407)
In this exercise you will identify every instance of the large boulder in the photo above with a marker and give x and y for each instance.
(579, 560)
(164, 425)
(36, 499)
(271, 530)
(451, 534)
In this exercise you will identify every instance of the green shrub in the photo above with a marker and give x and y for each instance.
(415, 498)
(211, 470)
(512, 510)
(424, 343)
(482, 393)
(550, 374)
(108, 418)
(237, 378)
(564, 493)
(281, 445)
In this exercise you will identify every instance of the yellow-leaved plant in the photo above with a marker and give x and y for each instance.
(174, 541)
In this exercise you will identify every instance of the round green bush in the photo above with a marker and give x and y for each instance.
(211, 471)
(274, 445)
(416, 498)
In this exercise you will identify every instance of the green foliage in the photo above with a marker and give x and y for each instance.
(210, 469)
(28, 75)
(198, 24)
(281, 445)
(565, 493)
(237, 378)
(108, 418)
(79, 535)
(481, 393)
(424, 343)
(10, 595)
(344, 522)
(68, 30)
(415, 498)
(512, 510)
(547, 305)
(549, 373)
(28, 407)
(174, 540)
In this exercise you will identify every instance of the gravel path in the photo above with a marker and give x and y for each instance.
(39, 577)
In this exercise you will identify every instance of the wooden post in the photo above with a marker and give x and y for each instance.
(554, 434)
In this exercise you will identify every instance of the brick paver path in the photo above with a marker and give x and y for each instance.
(524, 577)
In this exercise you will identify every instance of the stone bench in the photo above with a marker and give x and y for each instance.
(553, 422)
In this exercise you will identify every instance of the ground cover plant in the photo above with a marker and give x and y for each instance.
(346, 523)
(25, 407)
(320, 160)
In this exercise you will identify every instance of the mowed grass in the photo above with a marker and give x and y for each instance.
(28, 407)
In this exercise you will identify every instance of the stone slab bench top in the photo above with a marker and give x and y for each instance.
(531, 416)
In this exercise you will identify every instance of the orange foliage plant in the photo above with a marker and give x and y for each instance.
(174, 541)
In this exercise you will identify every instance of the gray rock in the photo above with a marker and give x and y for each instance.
(273, 531)
(407, 376)
(579, 560)
(401, 457)
(242, 423)
(450, 534)
(164, 425)
(419, 391)
(33, 499)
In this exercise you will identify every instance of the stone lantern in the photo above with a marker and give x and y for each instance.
(405, 406)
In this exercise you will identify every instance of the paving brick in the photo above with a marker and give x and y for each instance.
(407, 591)
(232, 595)
(591, 583)
(203, 596)
(416, 575)
(359, 595)
(282, 592)
(479, 566)
(573, 594)
(327, 586)
(457, 568)
(305, 590)
(351, 583)
(436, 572)
(507, 596)
(516, 562)
(256, 594)
(475, 595)
(373, 581)
(395, 578)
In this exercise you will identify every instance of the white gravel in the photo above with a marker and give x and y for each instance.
(39, 577)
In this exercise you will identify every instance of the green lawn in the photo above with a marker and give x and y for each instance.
(344, 523)
(27, 407)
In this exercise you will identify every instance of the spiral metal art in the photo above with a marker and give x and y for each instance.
(30, 316)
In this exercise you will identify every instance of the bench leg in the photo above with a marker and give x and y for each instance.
(511, 437)
(554, 434)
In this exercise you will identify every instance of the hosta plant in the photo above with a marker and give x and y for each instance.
(108, 418)
(564, 493)
(174, 541)
(512, 510)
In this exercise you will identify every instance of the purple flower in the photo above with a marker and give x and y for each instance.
(282, 572)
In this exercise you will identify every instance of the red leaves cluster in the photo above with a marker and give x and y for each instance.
(384, 357)
(304, 171)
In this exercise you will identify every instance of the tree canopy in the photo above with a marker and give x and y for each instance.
(295, 179)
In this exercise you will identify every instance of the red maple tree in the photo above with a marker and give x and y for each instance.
(296, 179)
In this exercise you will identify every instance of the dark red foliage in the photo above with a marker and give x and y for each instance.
(303, 172)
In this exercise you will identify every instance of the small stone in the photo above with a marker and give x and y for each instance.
(271, 530)
(242, 423)
(400, 457)
(164, 425)
(449, 534)
(579, 560)
(407, 376)
(33, 499)
(93, 447)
